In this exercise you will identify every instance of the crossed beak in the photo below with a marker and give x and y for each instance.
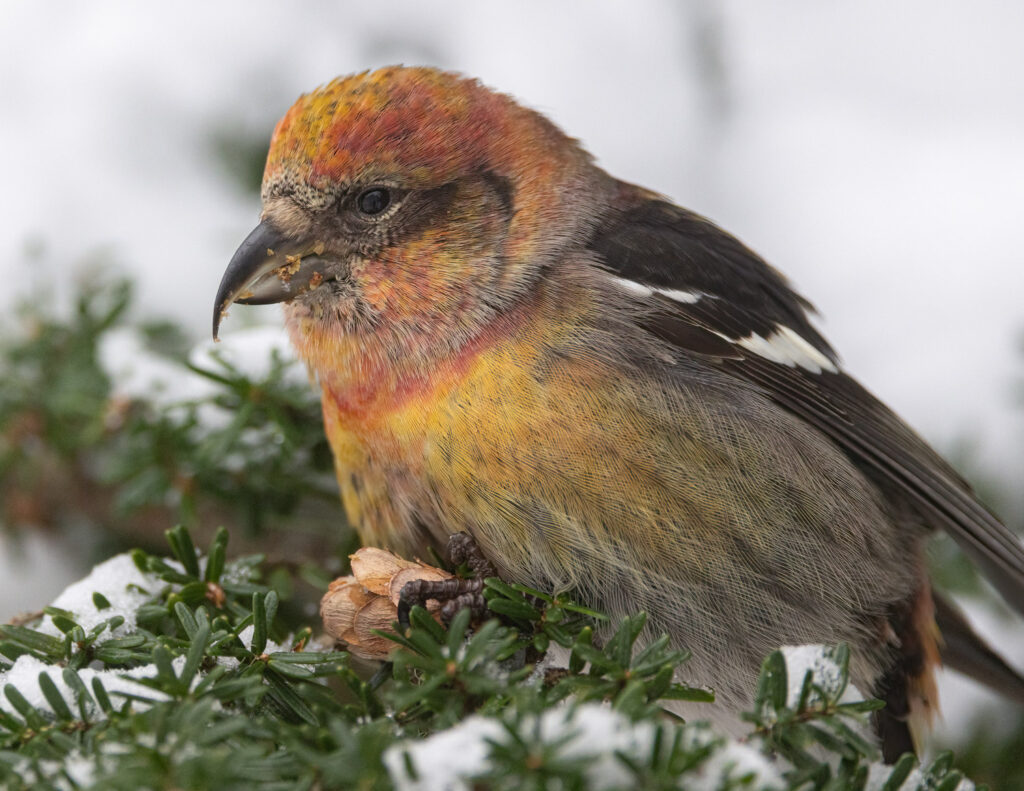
(268, 267)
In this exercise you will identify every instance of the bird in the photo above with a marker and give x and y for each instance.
(609, 393)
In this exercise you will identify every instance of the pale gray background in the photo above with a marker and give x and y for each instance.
(873, 151)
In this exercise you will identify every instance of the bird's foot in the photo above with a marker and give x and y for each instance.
(457, 593)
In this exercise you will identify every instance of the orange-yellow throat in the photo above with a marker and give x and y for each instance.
(399, 418)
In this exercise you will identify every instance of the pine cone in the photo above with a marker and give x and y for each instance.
(368, 599)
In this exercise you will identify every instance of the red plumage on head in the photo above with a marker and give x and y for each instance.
(423, 125)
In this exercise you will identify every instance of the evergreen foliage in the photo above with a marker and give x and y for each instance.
(231, 697)
(212, 678)
(214, 444)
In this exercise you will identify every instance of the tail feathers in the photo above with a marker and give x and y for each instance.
(908, 686)
(891, 723)
(932, 631)
(964, 650)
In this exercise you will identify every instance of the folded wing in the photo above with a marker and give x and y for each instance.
(713, 298)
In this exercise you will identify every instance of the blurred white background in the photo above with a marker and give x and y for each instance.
(873, 151)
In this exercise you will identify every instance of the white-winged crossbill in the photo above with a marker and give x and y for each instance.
(610, 393)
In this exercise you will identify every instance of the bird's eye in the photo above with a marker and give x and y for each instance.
(374, 200)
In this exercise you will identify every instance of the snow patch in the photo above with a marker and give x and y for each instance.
(827, 673)
(736, 762)
(246, 637)
(120, 582)
(249, 351)
(24, 675)
(916, 781)
(137, 373)
(448, 761)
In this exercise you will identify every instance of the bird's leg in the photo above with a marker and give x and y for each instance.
(462, 548)
(456, 593)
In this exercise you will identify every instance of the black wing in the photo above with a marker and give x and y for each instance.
(716, 298)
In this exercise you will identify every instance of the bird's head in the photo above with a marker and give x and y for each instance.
(409, 199)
